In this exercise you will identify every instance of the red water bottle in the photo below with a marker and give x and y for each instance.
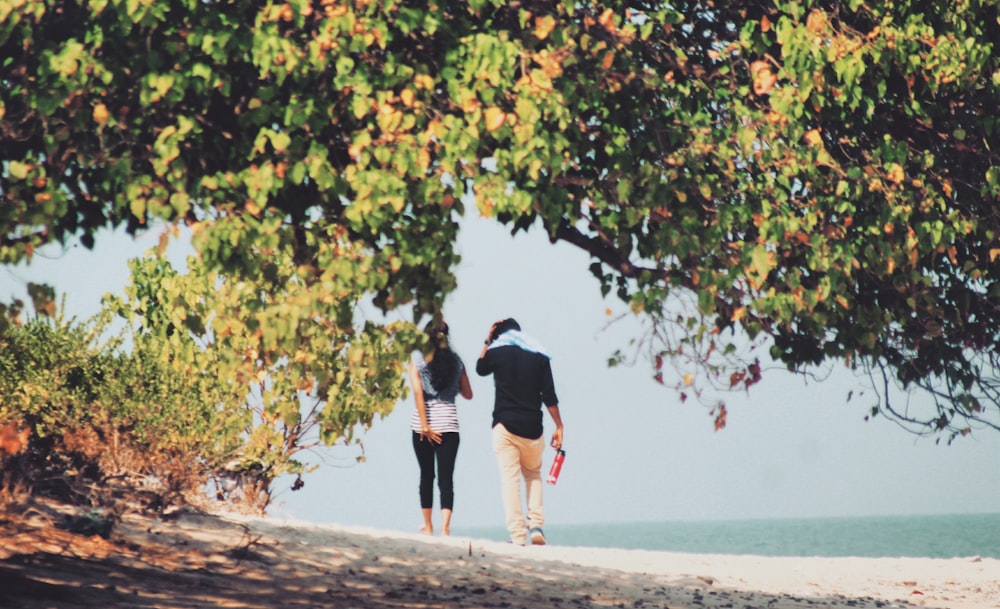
(556, 466)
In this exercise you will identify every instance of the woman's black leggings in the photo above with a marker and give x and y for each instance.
(445, 453)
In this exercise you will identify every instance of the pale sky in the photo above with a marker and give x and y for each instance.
(634, 451)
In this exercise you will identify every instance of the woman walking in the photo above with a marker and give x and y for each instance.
(437, 379)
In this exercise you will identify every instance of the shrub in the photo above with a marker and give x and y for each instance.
(106, 426)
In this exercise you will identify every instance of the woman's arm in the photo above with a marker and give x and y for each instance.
(463, 385)
(418, 398)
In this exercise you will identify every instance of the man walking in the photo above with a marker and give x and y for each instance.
(522, 377)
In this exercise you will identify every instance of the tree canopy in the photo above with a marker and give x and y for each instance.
(817, 180)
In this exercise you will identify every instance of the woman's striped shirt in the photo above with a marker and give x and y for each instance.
(442, 415)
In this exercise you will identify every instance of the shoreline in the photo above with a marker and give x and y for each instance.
(954, 536)
(198, 560)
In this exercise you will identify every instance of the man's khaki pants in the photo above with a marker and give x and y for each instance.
(519, 457)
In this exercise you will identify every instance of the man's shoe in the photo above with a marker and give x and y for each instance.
(537, 537)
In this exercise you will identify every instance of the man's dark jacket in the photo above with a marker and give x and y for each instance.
(523, 381)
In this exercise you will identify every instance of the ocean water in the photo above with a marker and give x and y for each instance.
(938, 536)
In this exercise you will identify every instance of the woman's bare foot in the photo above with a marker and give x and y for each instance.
(445, 522)
(428, 528)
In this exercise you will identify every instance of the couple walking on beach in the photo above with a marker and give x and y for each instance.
(523, 383)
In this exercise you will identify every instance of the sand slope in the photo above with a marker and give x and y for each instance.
(196, 560)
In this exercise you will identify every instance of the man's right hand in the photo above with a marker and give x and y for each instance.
(492, 336)
(557, 438)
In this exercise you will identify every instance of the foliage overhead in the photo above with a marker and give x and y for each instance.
(818, 177)
(286, 377)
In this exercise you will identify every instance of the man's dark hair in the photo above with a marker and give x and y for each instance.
(508, 324)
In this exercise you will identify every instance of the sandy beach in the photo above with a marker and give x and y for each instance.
(199, 560)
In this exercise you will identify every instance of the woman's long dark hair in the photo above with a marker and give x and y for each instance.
(443, 364)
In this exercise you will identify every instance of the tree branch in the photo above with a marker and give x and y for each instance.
(609, 255)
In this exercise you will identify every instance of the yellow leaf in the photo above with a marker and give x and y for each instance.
(895, 173)
(534, 167)
(423, 81)
(544, 26)
(406, 96)
(423, 159)
(813, 138)
(470, 104)
(816, 21)
(551, 63)
(433, 128)
(19, 170)
(495, 118)
(101, 114)
(688, 379)
(739, 314)
(605, 18)
(763, 78)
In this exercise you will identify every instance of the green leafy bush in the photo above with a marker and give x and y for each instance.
(107, 425)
